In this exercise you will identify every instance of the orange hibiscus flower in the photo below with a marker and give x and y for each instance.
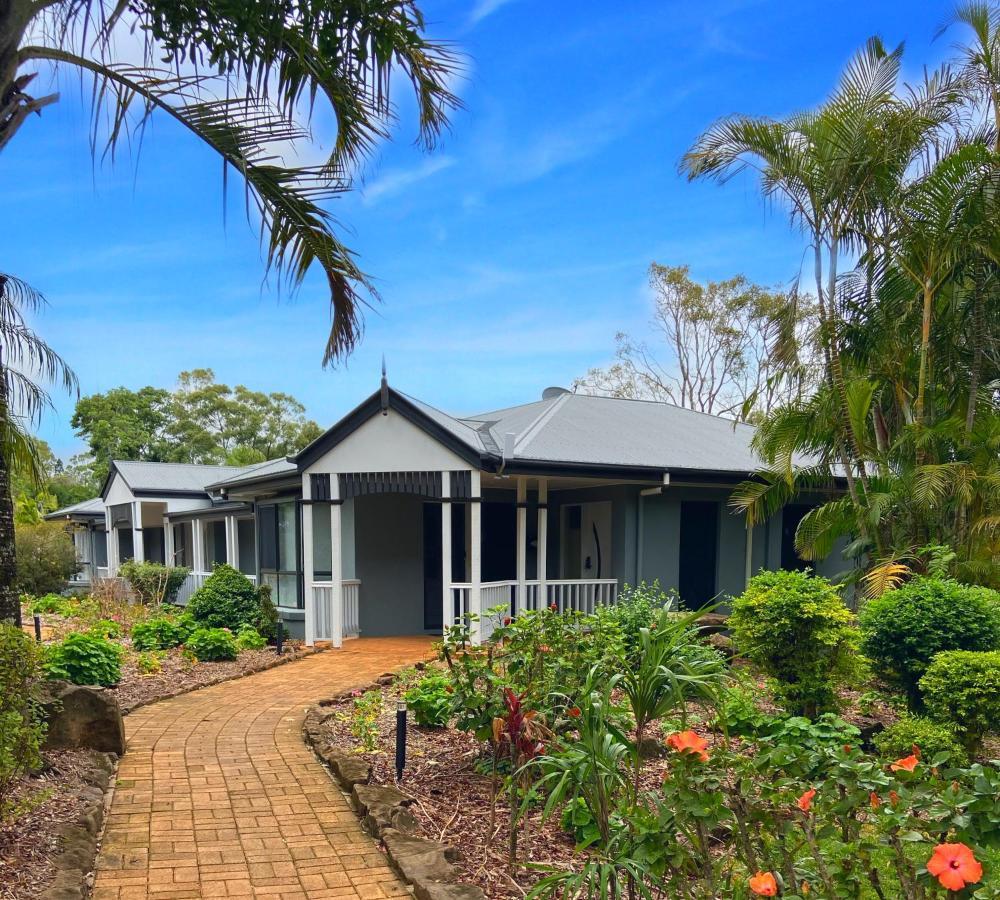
(954, 866)
(764, 884)
(875, 801)
(689, 742)
(805, 801)
(906, 764)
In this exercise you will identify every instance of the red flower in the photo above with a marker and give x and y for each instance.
(764, 884)
(847, 748)
(689, 742)
(893, 798)
(805, 801)
(907, 764)
(954, 866)
(544, 648)
(875, 801)
(506, 620)
(573, 712)
(554, 607)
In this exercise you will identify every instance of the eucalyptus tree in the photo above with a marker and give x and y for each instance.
(245, 79)
(26, 364)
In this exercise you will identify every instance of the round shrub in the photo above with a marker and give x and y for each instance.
(796, 628)
(153, 582)
(106, 628)
(52, 604)
(158, 634)
(84, 659)
(430, 700)
(228, 599)
(962, 687)
(250, 639)
(212, 645)
(899, 739)
(905, 628)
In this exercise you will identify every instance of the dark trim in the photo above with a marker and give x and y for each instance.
(522, 504)
(541, 506)
(166, 492)
(547, 467)
(329, 502)
(281, 479)
(372, 407)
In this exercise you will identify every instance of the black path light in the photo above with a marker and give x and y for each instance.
(400, 738)
(38, 627)
(279, 638)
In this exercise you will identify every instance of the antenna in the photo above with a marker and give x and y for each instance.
(384, 390)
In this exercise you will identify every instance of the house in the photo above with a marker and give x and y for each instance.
(401, 518)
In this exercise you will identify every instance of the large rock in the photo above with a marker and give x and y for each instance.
(81, 717)
(383, 807)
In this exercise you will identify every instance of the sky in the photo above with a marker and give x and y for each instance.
(507, 259)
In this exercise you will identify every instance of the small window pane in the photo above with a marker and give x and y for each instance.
(322, 557)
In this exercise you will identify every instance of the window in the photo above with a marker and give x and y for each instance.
(215, 543)
(278, 535)
(126, 549)
(322, 550)
(101, 549)
(183, 555)
(245, 541)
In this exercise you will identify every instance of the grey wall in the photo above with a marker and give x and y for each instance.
(388, 556)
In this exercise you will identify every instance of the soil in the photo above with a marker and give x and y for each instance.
(28, 847)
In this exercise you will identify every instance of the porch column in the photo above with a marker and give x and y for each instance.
(168, 542)
(543, 541)
(475, 556)
(308, 574)
(232, 549)
(111, 539)
(336, 561)
(447, 603)
(197, 551)
(520, 602)
(138, 551)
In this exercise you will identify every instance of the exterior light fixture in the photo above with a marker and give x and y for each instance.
(400, 738)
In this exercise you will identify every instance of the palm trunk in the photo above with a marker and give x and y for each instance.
(925, 350)
(10, 606)
(978, 331)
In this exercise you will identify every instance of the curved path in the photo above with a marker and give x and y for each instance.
(218, 796)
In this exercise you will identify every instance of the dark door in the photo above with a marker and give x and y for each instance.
(126, 547)
(499, 542)
(698, 552)
(152, 544)
(433, 587)
(791, 515)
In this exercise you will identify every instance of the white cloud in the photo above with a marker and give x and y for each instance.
(484, 8)
(396, 180)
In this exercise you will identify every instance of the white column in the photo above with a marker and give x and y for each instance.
(168, 542)
(197, 550)
(138, 551)
(543, 540)
(232, 551)
(308, 574)
(336, 562)
(475, 555)
(522, 544)
(447, 602)
(112, 541)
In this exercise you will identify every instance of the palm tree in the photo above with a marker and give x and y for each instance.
(25, 359)
(244, 78)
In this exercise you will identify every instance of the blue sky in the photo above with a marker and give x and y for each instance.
(507, 259)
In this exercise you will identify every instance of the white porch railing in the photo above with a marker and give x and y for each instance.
(581, 596)
(322, 609)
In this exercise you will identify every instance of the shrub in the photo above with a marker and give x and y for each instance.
(228, 599)
(21, 729)
(148, 663)
(105, 628)
(796, 628)
(46, 558)
(932, 738)
(364, 719)
(52, 604)
(212, 645)
(962, 687)
(635, 608)
(430, 700)
(905, 628)
(153, 583)
(158, 634)
(250, 639)
(84, 659)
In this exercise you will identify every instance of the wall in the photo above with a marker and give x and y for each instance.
(389, 561)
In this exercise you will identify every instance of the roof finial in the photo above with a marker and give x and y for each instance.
(384, 390)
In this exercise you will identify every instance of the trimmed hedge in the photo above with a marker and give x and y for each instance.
(962, 688)
(228, 599)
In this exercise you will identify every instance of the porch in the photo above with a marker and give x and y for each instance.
(410, 552)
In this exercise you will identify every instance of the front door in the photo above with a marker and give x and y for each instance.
(698, 552)
(433, 586)
(586, 541)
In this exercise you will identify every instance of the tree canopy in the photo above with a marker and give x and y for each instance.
(199, 421)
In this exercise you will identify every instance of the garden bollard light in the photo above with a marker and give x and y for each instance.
(279, 639)
(400, 738)
(38, 627)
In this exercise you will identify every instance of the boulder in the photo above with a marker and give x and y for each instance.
(723, 643)
(711, 623)
(81, 717)
(349, 768)
(383, 808)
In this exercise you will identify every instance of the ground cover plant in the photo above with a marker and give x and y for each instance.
(574, 765)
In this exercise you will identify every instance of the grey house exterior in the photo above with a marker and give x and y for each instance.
(401, 518)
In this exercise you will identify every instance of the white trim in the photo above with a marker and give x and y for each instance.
(307, 566)
(336, 563)
(138, 549)
(522, 543)
(447, 605)
(475, 555)
(542, 551)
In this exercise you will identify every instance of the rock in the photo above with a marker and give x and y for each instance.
(383, 808)
(651, 748)
(723, 643)
(454, 891)
(712, 623)
(386, 678)
(349, 769)
(81, 717)
(418, 859)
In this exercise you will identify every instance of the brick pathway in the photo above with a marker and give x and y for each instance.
(218, 796)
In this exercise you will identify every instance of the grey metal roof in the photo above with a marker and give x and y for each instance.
(464, 431)
(272, 468)
(93, 508)
(140, 475)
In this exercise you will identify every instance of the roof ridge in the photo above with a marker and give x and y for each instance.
(687, 409)
(156, 462)
(543, 418)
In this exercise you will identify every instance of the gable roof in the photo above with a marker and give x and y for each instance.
(87, 509)
(272, 468)
(167, 478)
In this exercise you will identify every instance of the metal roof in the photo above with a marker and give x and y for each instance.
(88, 509)
(272, 468)
(141, 475)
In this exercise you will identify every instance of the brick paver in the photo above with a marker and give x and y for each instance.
(218, 796)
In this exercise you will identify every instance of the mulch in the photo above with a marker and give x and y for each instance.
(29, 846)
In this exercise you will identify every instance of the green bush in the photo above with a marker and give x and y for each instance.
(21, 728)
(430, 700)
(46, 558)
(53, 605)
(228, 599)
(635, 608)
(105, 628)
(962, 687)
(84, 659)
(932, 738)
(212, 645)
(153, 583)
(250, 639)
(158, 634)
(796, 628)
(904, 629)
